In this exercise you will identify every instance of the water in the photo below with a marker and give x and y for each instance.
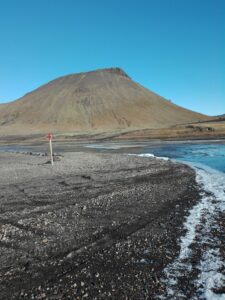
(204, 238)
(211, 155)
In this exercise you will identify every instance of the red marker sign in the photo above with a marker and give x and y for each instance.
(49, 136)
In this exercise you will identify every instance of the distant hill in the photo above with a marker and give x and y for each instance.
(103, 100)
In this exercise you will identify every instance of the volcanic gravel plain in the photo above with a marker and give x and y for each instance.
(93, 226)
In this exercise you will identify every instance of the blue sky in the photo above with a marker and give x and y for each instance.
(173, 47)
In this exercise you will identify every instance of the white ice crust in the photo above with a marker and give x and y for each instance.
(200, 226)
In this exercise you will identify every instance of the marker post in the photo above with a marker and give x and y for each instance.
(50, 147)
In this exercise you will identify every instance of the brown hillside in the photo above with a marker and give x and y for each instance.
(102, 100)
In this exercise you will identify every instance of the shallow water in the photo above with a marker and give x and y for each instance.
(211, 155)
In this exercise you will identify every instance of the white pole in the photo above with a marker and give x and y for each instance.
(51, 153)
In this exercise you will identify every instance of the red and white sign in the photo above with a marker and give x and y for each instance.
(49, 136)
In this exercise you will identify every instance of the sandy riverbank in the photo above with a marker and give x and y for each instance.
(95, 226)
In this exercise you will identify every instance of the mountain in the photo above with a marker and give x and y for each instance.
(101, 100)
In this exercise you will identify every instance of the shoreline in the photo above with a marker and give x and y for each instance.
(92, 146)
(200, 265)
(98, 226)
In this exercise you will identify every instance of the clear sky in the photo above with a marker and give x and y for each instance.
(173, 47)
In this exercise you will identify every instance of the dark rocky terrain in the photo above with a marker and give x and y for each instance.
(94, 226)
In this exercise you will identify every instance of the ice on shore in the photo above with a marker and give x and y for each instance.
(202, 229)
(150, 155)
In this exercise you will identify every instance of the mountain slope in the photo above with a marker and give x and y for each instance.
(102, 100)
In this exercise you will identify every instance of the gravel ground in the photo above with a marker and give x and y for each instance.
(93, 226)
